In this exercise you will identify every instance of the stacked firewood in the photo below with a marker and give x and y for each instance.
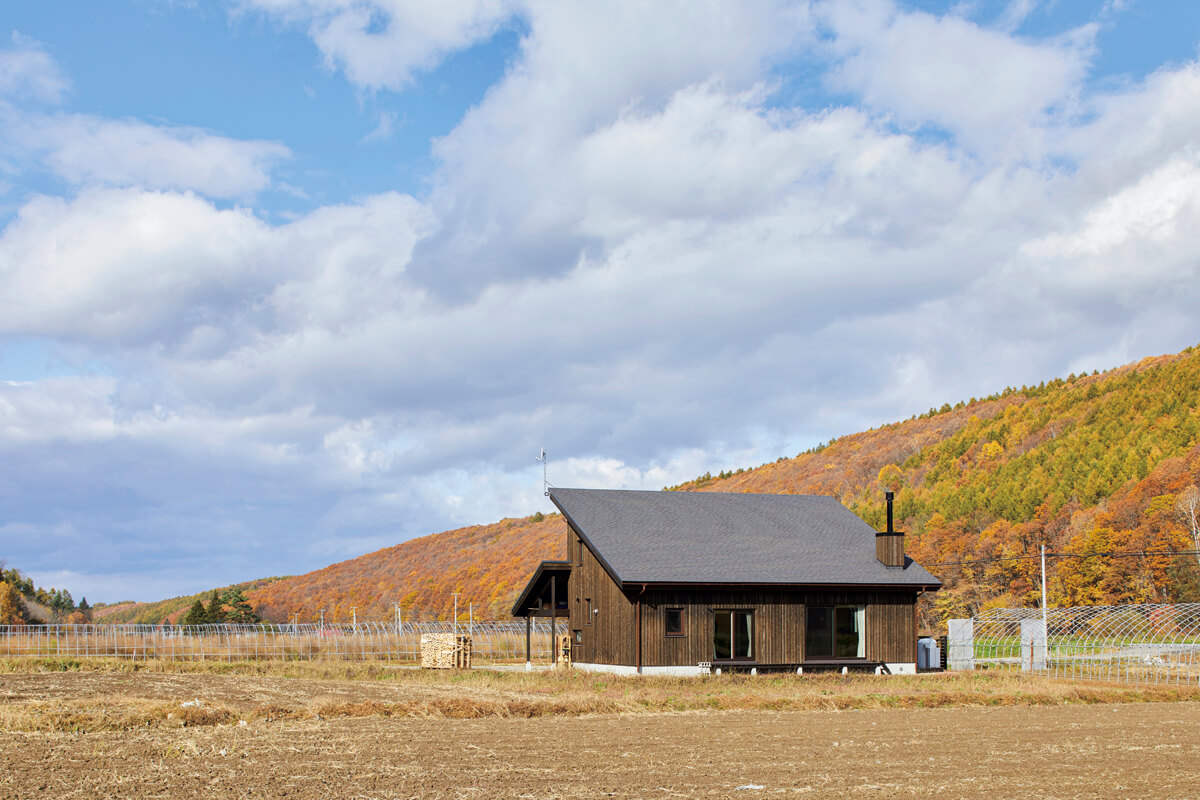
(445, 651)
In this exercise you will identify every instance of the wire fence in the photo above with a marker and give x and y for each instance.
(491, 641)
(1138, 644)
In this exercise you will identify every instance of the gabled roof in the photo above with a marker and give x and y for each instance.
(730, 538)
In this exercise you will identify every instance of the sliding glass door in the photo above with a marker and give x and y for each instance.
(834, 632)
(733, 635)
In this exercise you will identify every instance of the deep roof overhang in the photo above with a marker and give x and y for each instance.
(824, 587)
(529, 601)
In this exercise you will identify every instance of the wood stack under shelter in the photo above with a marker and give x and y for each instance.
(445, 651)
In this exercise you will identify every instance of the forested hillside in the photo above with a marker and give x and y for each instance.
(21, 602)
(170, 610)
(1099, 468)
(487, 564)
(1095, 466)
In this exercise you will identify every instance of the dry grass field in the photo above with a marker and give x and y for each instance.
(369, 731)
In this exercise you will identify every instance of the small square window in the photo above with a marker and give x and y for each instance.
(674, 622)
(578, 637)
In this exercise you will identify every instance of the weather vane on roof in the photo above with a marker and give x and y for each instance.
(545, 484)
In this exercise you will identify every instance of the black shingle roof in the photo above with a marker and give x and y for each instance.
(711, 537)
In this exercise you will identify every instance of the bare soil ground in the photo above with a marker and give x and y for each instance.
(109, 734)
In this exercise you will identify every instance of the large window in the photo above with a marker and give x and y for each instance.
(834, 632)
(733, 634)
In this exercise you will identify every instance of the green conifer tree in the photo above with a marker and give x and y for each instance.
(239, 607)
(196, 615)
(215, 613)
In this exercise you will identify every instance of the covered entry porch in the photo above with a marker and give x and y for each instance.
(544, 596)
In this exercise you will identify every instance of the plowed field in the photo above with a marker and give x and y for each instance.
(1142, 750)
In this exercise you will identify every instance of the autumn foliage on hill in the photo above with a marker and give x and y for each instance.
(171, 610)
(487, 564)
(1088, 465)
(1094, 467)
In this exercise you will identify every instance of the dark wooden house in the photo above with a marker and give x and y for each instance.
(681, 582)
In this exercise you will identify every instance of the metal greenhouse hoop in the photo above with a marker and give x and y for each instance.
(1153, 643)
(493, 641)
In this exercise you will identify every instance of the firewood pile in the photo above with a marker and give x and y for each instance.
(445, 651)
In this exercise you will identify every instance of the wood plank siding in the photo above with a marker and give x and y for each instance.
(609, 635)
(599, 610)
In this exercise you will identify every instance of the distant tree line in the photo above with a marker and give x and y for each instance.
(230, 606)
(21, 602)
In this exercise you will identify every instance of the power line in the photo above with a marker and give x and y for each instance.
(981, 561)
(1081, 556)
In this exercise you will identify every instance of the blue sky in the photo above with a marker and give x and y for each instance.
(286, 281)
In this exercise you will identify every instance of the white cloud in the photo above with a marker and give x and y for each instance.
(991, 90)
(384, 129)
(1162, 210)
(383, 44)
(125, 265)
(1131, 132)
(27, 71)
(88, 150)
(1015, 13)
(138, 267)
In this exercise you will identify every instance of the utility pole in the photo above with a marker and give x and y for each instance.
(322, 619)
(471, 618)
(1045, 626)
(354, 616)
(398, 620)
(456, 594)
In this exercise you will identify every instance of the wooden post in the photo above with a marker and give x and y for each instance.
(638, 647)
(553, 612)
(916, 633)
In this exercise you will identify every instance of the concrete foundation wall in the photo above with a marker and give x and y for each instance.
(618, 669)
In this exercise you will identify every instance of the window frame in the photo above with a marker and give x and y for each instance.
(682, 632)
(860, 617)
(749, 613)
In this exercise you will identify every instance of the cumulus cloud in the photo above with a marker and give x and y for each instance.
(125, 265)
(991, 90)
(139, 268)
